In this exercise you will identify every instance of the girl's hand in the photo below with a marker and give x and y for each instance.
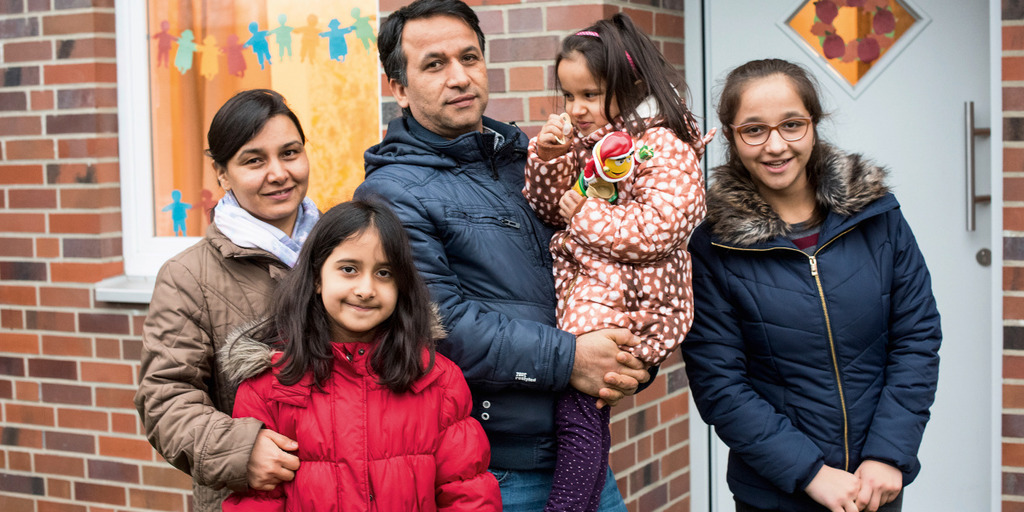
(554, 138)
(835, 489)
(569, 204)
(880, 483)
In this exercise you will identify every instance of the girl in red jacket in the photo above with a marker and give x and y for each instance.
(345, 365)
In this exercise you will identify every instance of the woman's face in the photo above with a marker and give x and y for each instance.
(269, 174)
(778, 167)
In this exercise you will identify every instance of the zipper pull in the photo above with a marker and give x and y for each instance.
(814, 266)
(510, 223)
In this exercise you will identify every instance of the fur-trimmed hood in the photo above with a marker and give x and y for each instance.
(737, 214)
(243, 357)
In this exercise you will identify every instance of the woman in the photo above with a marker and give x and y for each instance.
(219, 285)
(814, 347)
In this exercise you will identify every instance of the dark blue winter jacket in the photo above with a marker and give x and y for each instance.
(802, 360)
(484, 256)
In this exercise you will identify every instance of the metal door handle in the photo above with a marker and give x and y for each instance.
(971, 132)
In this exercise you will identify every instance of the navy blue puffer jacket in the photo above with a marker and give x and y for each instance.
(484, 256)
(802, 360)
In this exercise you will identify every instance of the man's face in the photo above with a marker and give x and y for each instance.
(447, 76)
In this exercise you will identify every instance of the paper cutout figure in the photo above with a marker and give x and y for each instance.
(283, 35)
(163, 44)
(336, 40)
(310, 38)
(186, 47)
(364, 31)
(236, 61)
(259, 44)
(206, 203)
(209, 64)
(178, 209)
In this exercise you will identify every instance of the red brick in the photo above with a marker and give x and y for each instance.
(58, 488)
(13, 101)
(110, 494)
(15, 247)
(669, 25)
(622, 458)
(103, 147)
(1013, 37)
(12, 319)
(34, 149)
(526, 79)
(1013, 454)
(78, 23)
(59, 465)
(19, 27)
(6, 390)
(116, 471)
(1013, 68)
(84, 272)
(19, 461)
(505, 109)
(518, 49)
(27, 391)
(66, 394)
(115, 398)
(20, 295)
(22, 270)
(21, 343)
(656, 391)
(644, 20)
(496, 80)
(525, 20)
(89, 97)
(108, 348)
(83, 419)
(25, 51)
(673, 408)
(1013, 307)
(48, 247)
(575, 17)
(30, 414)
(53, 369)
(675, 53)
(128, 448)
(93, 248)
(20, 126)
(543, 106)
(149, 499)
(110, 323)
(50, 320)
(93, 48)
(23, 222)
(110, 373)
(69, 442)
(21, 174)
(1013, 159)
(1013, 98)
(42, 100)
(166, 477)
(52, 506)
(8, 502)
(1013, 396)
(96, 72)
(67, 346)
(65, 297)
(32, 198)
(124, 423)
(492, 22)
(80, 123)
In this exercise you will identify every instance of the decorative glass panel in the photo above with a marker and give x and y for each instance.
(320, 54)
(852, 35)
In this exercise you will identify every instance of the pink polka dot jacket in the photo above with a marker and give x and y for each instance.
(625, 264)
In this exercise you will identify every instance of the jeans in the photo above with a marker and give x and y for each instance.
(895, 505)
(527, 491)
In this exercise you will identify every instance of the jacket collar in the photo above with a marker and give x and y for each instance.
(227, 249)
(848, 187)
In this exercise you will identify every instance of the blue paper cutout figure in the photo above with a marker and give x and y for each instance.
(259, 44)
(236, 61)
(179, 211)
(163, 44)
(336, 40)
(283, 34)
(310, 38)
(209, 65)
(364, 31)
(183, 59)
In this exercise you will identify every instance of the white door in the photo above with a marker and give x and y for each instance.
(908, 113)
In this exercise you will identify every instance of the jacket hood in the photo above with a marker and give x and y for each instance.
(408, 142)
(737, 214)
(243, 357)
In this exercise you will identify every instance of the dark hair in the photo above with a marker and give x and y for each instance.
(806, 87)
(389, 36)
(241, 118)
(631, 68)
(300, 325)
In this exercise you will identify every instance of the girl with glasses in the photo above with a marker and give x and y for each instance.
(814, 347)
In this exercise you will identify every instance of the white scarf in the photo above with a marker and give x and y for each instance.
(244, 230)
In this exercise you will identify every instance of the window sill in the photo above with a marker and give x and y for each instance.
(126, 289)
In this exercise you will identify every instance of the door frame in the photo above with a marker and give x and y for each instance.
(702, 488)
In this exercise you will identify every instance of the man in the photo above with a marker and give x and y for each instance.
(455, 179)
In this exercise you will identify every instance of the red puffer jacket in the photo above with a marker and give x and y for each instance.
(364, 448)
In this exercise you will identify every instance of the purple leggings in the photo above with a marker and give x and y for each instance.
(583, 444)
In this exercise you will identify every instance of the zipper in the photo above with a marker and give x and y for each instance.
(813, 259)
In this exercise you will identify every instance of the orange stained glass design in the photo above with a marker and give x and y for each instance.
(321, 55)
(852, 35)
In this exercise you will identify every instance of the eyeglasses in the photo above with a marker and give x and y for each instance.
(755, 134)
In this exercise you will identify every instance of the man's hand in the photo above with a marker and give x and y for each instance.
(880, 483)
(604, 370)
(835, 489)
(553, 140)
(270, 463)
(568, 204)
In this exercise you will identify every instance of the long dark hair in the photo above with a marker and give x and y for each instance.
(806, 87)
(631, 68)
(299, 323)
(241, 118)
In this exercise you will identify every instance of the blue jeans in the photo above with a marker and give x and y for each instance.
(527, 491)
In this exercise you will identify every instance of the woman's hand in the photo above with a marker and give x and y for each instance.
(553, 140)
(835, 489)
(569, 204)
(880, 483)
(270, 463)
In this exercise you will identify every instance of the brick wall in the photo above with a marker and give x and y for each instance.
(1013, 255)
(69, 436)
